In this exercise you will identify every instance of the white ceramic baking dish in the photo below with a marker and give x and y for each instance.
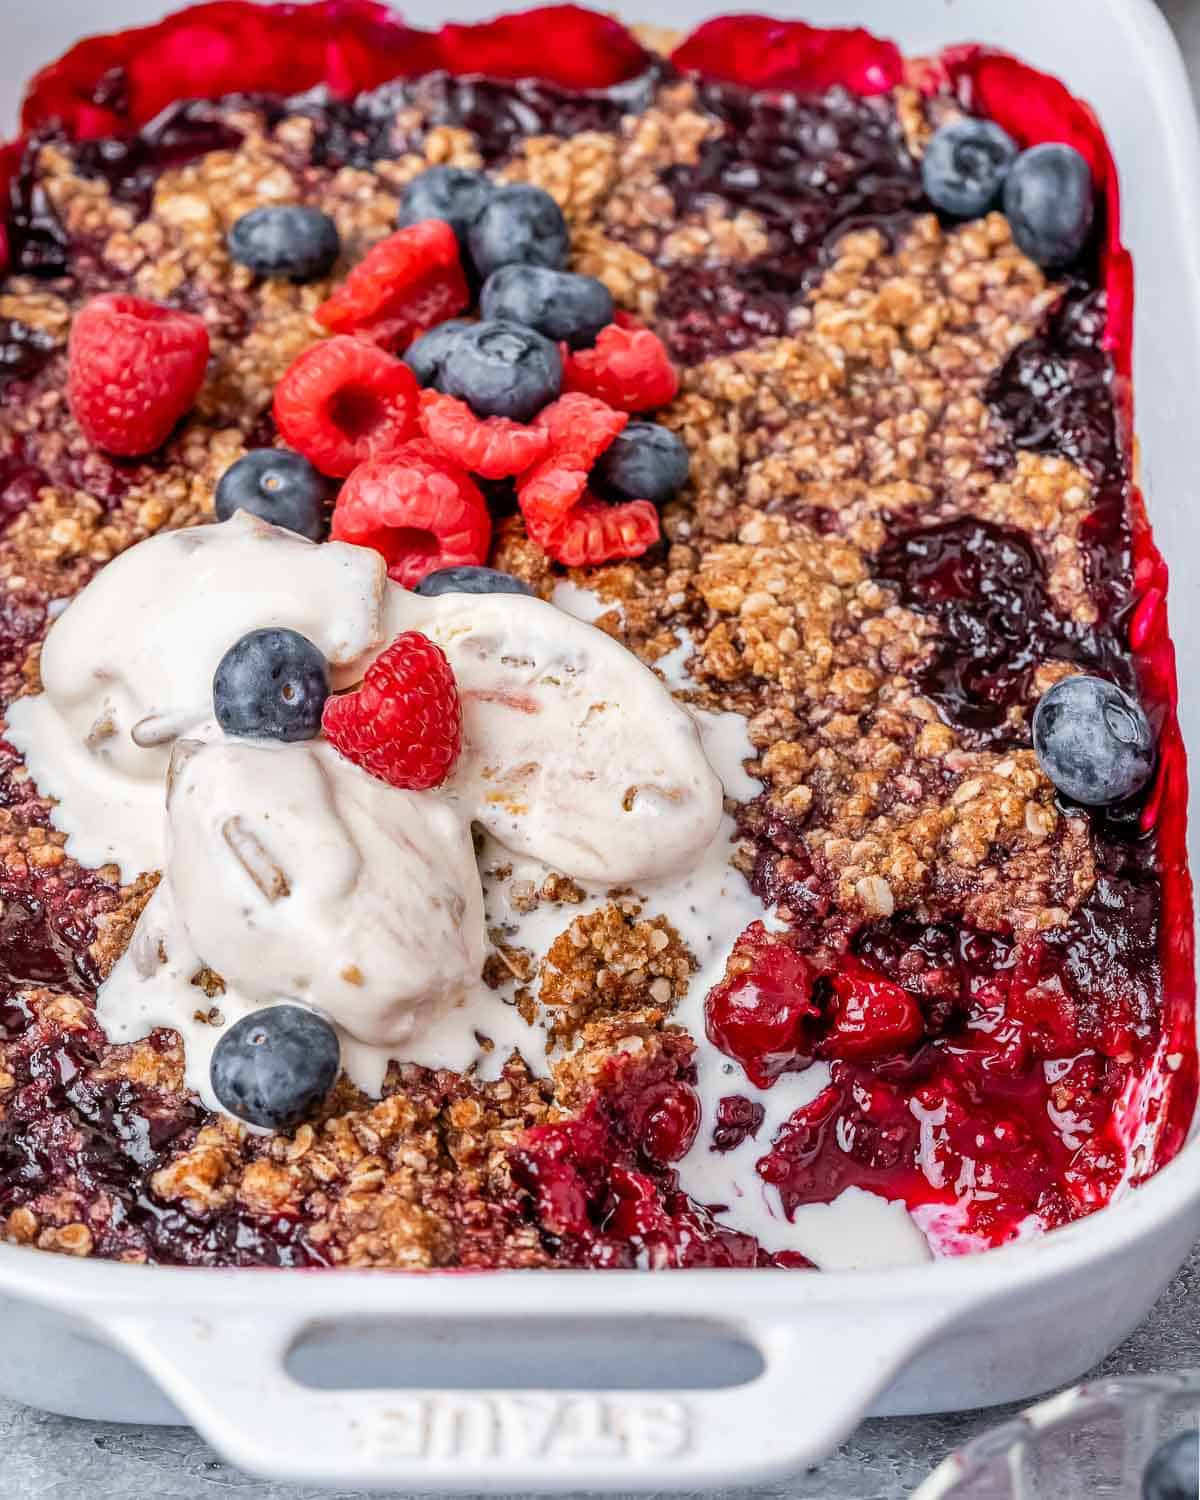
(560, 1380)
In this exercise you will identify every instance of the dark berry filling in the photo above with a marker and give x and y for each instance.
(499, 114)
(96, 1140)
(985, 585)
(811, 169)
(600, 1197)
(1024, 1047)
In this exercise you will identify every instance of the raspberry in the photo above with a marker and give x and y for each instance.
(344, 401)
(579, 428)
(494, 447)
(561, 515)
(405, 285)
(404, 723)
(134, 368)
(762, 1013)
(418, 510)
(629, 368)
(592, 532)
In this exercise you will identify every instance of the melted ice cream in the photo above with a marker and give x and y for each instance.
(288, 871)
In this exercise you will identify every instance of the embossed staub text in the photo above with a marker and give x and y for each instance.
(568, 1429)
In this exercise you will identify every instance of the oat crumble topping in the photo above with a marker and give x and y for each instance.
(868, 412)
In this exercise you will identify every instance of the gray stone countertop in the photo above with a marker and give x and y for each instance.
(44, 1457)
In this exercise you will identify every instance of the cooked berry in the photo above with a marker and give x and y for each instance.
(872, 1016)
(407, 283)
(560, 304)
(492, 447)
(1173, 1473)
(563, 45)
(1050, 203)
(629, 368)
(965, 165)
(1093, 740)
(286, 239)
(133, 369)
(470, 581)
(456, 195)
(417, 509)
(667, 1120)
(343, 401)
(761, 1013)
(404, 724)
(424, 356)
(738, 1119)
(502, 370)
(645, 462)
(281, 487)
(275, 1066)
(520, 225)
(272, 684)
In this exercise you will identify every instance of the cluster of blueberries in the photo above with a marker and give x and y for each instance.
(972, 166)
(514, 244)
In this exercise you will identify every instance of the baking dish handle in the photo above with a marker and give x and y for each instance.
(823, 1366)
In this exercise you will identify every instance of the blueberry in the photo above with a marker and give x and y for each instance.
(425, 355)
(452, 194)
(501, 369)
(280, 486)
(1093, 740)
(645, 462)
(274, 1066)
(467, 580)
(520, 225)
(965, 165)
(559, 304)
(1173, 1473)
(272, 684)
(1050, 203)
(286, 239)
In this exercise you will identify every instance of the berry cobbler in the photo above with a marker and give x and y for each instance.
(586, 683)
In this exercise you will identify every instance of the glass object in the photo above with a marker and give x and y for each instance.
(1089, 1443)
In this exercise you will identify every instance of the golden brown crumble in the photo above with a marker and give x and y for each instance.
(803, 449)
(613, 961)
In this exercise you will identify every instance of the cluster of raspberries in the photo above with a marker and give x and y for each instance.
(415, 408)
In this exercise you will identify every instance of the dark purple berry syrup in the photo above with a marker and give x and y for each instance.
(811, 169)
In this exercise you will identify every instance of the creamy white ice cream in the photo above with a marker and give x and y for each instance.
(289, 872)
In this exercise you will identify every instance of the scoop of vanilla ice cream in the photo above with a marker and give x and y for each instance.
(128, 666)
(294, 875)
(573, 751)
(290, 873)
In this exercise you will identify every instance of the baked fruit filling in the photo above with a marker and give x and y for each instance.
(586, 680)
